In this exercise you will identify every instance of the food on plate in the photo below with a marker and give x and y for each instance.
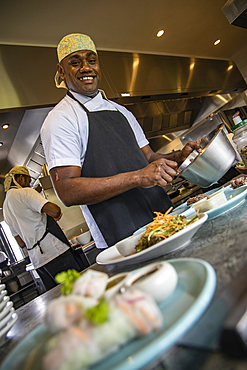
(240, 164)
(196, 199)
(212, 201)
(88, 328)
(240, 181)
(163, 226)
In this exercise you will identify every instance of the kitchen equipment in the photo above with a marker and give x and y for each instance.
(240, 139)
(207, 167)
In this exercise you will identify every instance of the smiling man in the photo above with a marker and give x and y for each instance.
(97, 153)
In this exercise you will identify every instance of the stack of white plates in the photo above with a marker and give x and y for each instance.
(8, 316)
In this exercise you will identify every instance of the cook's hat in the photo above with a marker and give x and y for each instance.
(68, 45)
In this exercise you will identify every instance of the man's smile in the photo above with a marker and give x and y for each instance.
(86, 78)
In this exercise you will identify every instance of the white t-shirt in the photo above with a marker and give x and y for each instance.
(22, 213)
(64, 135)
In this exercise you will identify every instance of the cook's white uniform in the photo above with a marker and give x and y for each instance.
(64, 135)
(22, 213)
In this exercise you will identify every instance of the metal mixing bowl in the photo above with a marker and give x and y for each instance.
(206, 168)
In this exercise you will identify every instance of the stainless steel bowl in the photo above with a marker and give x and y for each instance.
(217, 156)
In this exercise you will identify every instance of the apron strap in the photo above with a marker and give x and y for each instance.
(53, 228)
(72, 97)
(38, 243)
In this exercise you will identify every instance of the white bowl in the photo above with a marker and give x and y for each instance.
(115, 283)
(84, 238)
(159, 279)
(215, 200)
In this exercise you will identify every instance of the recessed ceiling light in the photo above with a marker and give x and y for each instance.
(1, 144)
(217, 42)
(5, 126)
(125, 94)
(160, 33)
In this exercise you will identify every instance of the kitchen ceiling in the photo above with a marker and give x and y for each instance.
(190, 26)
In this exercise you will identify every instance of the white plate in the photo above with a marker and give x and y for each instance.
(174, 242)
(3, 293)
(194, 292)
(6, 318)
(7, 327)
(2, 287)
(5, 311)
(235, 197)
(4, 302)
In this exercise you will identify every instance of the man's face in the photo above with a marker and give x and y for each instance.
(24, 181)
(81, 72)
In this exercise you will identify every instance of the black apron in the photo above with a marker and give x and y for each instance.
(112, 148)
(53, 228)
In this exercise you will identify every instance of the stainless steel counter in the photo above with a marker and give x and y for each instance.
(222, 243)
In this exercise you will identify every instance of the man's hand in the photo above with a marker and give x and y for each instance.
(159, 172)
(52, 210)
(59, 217)
(188, 149)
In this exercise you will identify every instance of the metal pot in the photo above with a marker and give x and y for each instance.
(207, 167)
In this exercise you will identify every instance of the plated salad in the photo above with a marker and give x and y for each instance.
(163, 226)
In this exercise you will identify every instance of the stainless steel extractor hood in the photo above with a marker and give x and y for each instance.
(169, 93)
(236, 12)
(135, 77)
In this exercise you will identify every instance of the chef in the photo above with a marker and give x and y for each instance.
(97, 153)
(32, 221)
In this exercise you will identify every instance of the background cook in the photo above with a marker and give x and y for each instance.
(31, 219)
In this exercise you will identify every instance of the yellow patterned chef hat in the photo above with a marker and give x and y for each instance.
(17, 170)
(73, 42)
(68, 45)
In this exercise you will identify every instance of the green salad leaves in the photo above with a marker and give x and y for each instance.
(98, 314)
(68, 278)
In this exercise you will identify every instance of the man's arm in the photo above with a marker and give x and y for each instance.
(73, 189)
(52, 210)
(20, 241)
